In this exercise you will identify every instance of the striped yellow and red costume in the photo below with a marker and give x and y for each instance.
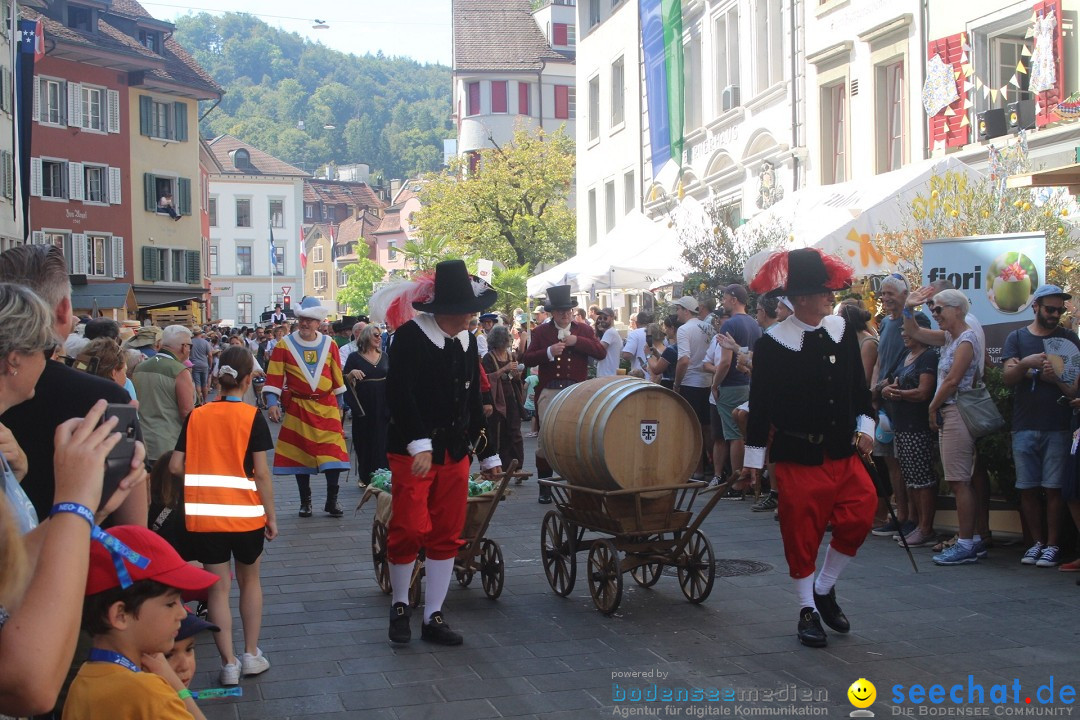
(308, 378)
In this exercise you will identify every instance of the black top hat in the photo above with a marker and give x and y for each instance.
(558, 298)
(806, 271)
(457, 292)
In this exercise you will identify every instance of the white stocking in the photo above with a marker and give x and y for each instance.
(835, 562)
(437, 583)
(400, 577)
(804, 590)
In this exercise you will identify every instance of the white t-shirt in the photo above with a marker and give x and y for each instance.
(712, 357)
(637, 346)
(977, 328)
(693, 341)
(610, 364)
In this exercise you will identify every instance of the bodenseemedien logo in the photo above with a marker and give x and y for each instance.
(861, 695)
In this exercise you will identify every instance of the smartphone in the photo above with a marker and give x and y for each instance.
(1064, 400)
(118, 462)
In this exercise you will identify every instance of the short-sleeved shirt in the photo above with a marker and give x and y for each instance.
(259, 440)
(106, 689)
(200, 353)
(610, 364)
(745, 331)
(948, 354)
(693, 341)
(1035, 404)
(636, 344)
(712, 357)
(913, 416)
(671, 354)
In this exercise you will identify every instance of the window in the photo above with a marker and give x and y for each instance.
(609, 205)
(1006, 52)
(169, 265)
(498, 96)
(834, 133)
(473, 92)
(692, 81)
(889, 98)
(309, 211)
(52, 103)
(571, 35)
(213, 268)
(594, 108)
(163, 120)
(99, 254)
(165, 195)
(92, 108)
(177, 270)
(571, 102)
(243, 212)
(592, 217)
(391, 251)
(562, 102)
(243, 260)
(7, 174)
(317, 253)
(215, 307)
(277, 213)
(95, 184)
(342, 279)
(160, 121)
(558, 34)
(150, 40)
(211, 210)
(523, 99)
(243, 308)
(726, 42)
(80, 18)
(53, 175)
(629, 193)
(319, 279)
(618, 92)
(769, 39)
(594, 12)
(279, 260)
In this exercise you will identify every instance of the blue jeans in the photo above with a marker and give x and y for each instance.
(1041, 457)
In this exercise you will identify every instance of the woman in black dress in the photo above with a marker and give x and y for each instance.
(365, 371)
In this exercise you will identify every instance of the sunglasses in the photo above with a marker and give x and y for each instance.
(937, 309)
(1053, 309)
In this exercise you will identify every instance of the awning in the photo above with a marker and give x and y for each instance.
(103, 296)
(1065, 176)
(155, 297)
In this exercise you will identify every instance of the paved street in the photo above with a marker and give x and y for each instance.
(532, 654)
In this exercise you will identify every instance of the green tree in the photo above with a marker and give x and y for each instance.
(360, 279)
(425, 252)
(510, 283)
(513, 208)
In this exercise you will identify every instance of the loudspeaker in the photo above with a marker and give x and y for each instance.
(991, 124)
(1021, 114)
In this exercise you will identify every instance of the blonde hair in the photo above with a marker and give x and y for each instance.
(12, 556)
(102, 357)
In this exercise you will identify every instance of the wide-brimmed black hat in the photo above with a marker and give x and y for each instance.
(806, 271)
(559, 298)
(457, 292)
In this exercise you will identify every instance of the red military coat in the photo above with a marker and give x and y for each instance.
(570, 367)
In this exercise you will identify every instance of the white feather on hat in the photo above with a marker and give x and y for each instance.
(311, 308)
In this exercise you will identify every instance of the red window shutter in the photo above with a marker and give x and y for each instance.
(498, 96)
(474, 98)
(562, 102)
(1049, 99)
(942, 126)
(523, 98)
(558, 34)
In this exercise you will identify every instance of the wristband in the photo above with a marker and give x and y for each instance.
(118, 550)
(184, 694)
(75, 509)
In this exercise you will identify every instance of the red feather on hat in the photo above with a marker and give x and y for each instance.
(772, 275)
(840, 273)
(393, 303)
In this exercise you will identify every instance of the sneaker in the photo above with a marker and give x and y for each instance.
(769, 502)
(1073, 566)
(1032, 555)
(714, 484)
(957, 555)
(906, 529)
(887, 530)
(1050, 557)
(733, 494)
(916, 539)
(980, 549)
(438, 632)
(400, 632)
(254, 664)
(230, 674)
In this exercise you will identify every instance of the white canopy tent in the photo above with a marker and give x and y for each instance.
(845, 218)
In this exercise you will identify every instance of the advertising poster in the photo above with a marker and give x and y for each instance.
(997, 273)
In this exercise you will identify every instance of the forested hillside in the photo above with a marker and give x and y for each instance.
(391, 113)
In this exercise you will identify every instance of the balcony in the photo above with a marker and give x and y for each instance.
(541, 4)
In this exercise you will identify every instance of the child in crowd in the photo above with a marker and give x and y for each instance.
(166, 516)
(132, 618)
(529, 408)
(182, 656)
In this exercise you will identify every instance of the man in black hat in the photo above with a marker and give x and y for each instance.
(560, 349)
(808, 388)
(436, 418)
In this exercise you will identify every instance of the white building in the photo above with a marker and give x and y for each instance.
(512, 66)
(255, 196)
(11, 214)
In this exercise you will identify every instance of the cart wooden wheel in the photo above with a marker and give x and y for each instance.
(414, 588)
(605, 576)
(646, 575)
(378, 556)
(464, 577)
(697, 568)
(558, 553)
(492, 568)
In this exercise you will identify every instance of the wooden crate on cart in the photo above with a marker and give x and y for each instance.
(164, 318)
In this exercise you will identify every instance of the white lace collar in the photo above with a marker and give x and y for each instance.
(426, 322)
(790, 332)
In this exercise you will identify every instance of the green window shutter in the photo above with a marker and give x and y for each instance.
(151, 270)
(146, 110)
(194, 267)
(180, 114)
(149, 190)
(183, 189)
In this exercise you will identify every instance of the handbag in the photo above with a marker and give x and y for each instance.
(979, 412)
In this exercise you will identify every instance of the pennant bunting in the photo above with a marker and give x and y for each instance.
(965, 122)
(949, 112)
(1005, 93)
(1020, 67)
(993, 96)
(1014, 81)
(1026, 52)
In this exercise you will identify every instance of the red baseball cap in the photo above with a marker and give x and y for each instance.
(165, 567)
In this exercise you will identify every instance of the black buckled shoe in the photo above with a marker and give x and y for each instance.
(830, 612)
(811, 633)
(400, 632)
(438, 632)
(305, 507)
(545, 495)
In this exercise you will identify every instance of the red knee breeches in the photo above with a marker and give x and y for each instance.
(428, 511)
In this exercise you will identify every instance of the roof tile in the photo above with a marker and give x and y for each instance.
(262, 163)
(499, 35)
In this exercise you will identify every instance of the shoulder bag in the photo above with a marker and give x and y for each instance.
(979, 411)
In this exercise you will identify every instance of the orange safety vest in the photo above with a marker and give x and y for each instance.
(218, 494)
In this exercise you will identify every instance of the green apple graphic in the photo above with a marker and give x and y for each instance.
(1010, 281)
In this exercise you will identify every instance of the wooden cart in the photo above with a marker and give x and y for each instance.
(652, 528)
(478, 554)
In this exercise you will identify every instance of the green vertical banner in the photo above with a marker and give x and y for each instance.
(673, 56)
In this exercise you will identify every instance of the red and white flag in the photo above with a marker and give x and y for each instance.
(303, 252)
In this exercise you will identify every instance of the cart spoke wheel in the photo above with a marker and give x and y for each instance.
(558, 553)
(492, 568)
(646, 575)
(605, 576)
(464, 577)
(378, 556)
(697, 568)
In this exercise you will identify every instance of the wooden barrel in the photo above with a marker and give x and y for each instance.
(621, 433)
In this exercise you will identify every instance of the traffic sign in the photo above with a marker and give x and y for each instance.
(285, 289)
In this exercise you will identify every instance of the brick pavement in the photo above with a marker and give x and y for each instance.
(533, 654)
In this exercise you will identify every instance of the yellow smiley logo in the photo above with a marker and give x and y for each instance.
(862, 693)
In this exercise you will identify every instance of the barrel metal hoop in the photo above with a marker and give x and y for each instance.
(611, 401)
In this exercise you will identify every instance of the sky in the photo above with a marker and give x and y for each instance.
(419, 29)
